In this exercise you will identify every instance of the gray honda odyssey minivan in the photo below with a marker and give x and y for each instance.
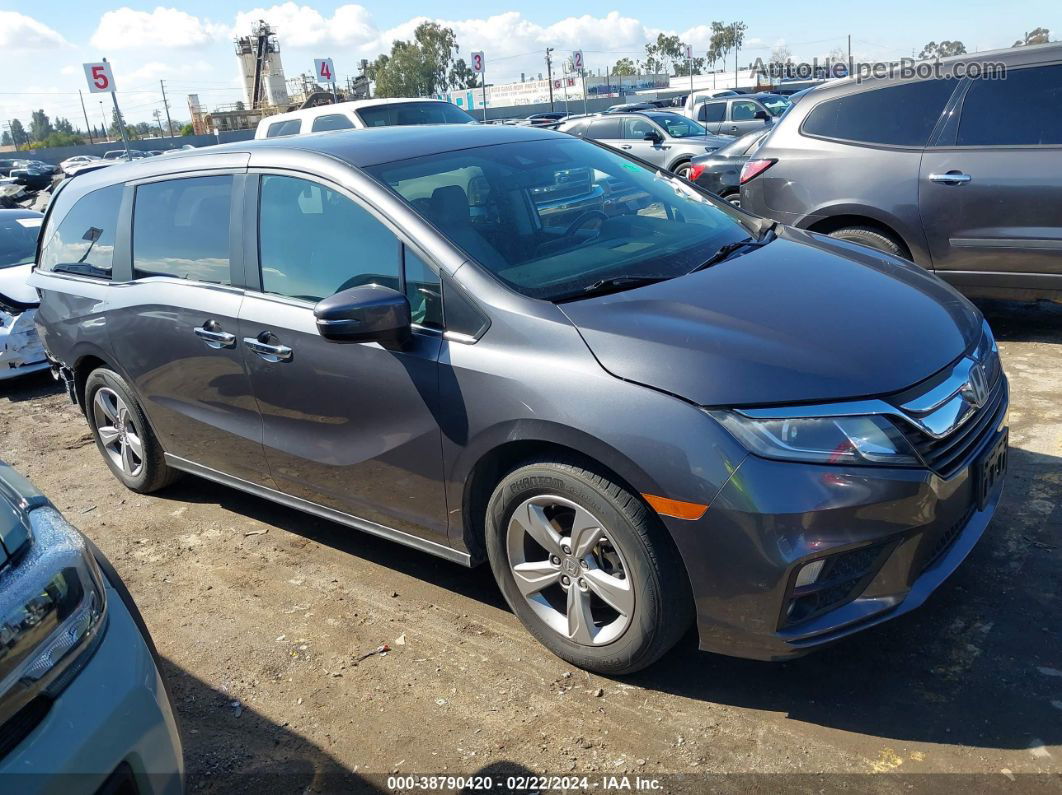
(505, 344)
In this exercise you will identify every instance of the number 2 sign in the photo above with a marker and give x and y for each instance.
(577, 60)
(325, 70)
(478, 62)
(100, 79)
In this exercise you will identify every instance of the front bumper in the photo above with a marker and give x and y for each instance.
(21, 351)
(772, 517)
(114, 713)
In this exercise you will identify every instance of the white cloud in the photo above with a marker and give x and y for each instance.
(125, 28)
(19, 32)
(303, 26)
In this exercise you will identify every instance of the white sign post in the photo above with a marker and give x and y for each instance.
(689, 60)
(479, 67)
(326, 71)
(101, 81)
(579, 65)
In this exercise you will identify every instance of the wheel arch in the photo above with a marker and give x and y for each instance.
(829, 219)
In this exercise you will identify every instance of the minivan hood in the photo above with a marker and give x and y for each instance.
(803, 319)
(13, 284)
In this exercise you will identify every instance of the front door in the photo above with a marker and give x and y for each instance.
(173, 327)
(989, 199)
(743, 117)
(351, 426)
(635, 128)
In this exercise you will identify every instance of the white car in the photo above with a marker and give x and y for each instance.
(361, 114)
(71, 164)
(21, 351)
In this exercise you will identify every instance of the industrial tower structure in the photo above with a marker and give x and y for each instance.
(260, 67)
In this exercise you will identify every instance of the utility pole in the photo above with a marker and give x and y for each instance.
(736, 48)
(166, 104)
(849, 55)
(158, 120)
(549, 75)
(103, 114)
(88, 126)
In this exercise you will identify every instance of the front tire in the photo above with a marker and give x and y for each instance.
(122, 434)
(586, 567)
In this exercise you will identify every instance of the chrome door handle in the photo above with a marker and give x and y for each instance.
(271, 353)
(625, 146)
(215, 339)
(950, 178)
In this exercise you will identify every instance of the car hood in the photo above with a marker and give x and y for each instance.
(803, 319)
(718, 141)
(13, 285)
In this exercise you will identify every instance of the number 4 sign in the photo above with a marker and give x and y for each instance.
(100, 79)
(325, 70)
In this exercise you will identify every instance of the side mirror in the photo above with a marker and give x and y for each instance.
(370, 313)
(763, 115)
(653, 136)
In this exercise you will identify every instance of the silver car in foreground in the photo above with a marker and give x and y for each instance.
(665, 139)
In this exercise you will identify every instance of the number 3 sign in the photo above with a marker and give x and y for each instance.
(478, 63)
(325, 70)
(100, 79)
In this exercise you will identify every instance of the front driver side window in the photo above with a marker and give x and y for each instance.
(634, 128)
(743, 111)
(314, 242)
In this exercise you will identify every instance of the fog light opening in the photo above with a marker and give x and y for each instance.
(810, 572)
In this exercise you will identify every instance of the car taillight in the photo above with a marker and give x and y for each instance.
(695, 172)
(753, 168)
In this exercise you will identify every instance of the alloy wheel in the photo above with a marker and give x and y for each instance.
(569, 571)
(117, 431)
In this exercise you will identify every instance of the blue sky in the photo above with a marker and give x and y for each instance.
(43, 43)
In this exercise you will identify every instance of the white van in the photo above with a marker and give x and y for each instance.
(360, 114)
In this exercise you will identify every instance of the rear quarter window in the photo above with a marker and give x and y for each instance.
(279, 129)
(82, 242)
(331, 121)
(897, 115)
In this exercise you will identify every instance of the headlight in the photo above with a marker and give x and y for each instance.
(868, 439)
(52, 608)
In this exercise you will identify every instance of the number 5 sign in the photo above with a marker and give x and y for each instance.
(325, 70)
(100, 79)
(478, 62)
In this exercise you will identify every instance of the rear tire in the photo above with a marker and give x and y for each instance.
(626, 601)
(874, 238)
(682, 170)
(122, 433)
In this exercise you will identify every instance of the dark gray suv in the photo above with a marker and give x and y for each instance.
(959, 175)
(660, 409)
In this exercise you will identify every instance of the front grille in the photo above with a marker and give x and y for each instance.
(946, 539)
(952, 453)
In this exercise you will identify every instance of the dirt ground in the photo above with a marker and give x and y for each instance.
(259, 612)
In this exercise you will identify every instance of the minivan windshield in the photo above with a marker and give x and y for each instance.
(554, 217)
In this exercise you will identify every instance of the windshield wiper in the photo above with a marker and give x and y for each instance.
(727, 250)
(611, 285)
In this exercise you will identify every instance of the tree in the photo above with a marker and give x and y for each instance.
(40, 125)
(1035, 36)
(418, 68)
(661, 54)
(462, 76)
(782, 55)
(62, 139)
(944, 49)
(18, 134)
(725, 39)
(188, 129)
(64, 126)
(624, 67)
(5, 139)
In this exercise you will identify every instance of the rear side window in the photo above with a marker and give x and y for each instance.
(578, 128)
(711, 111)
(900, 115)
(281, 128)
(83, 243)
(181, 229)
(314, 242)
(332, 121)
(402, 113)
(1023, 110)
(605, 128)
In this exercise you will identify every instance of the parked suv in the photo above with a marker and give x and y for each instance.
(665, 139)
(958, 175)
(360, 114)
(661, 409)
